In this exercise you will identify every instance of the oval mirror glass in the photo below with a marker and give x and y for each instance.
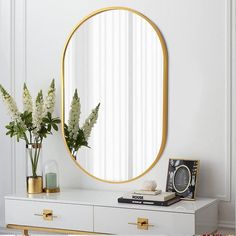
(115, 94)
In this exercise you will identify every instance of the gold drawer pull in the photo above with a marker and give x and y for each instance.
(47, 215)
(142, 223)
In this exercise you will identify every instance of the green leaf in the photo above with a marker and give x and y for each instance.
(49, 115)
(49, 127)
(57, 121)
(55, 127)
(46, 120)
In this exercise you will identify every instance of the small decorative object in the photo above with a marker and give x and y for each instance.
(51, 177)
(149, 185)
(32, 125)
(75, 136)
(182, 177)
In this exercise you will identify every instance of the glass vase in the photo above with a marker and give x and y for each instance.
(34, 168)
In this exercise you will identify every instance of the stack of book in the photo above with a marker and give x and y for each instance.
(156, 198)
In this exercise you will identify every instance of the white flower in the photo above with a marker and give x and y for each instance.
(11, 106)
(38, 113)
(50, 99)
(74, 116)
(90, 121)
(27, 100)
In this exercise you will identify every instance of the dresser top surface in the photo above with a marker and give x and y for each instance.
(109, 199)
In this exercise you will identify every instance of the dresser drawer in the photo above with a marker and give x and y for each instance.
(64, 216)
(116, 220)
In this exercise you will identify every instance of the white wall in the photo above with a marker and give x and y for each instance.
(6, 75)
(198, 38)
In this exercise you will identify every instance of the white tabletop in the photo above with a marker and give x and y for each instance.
(109, 199)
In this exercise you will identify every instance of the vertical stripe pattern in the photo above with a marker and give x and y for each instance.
(116, 58)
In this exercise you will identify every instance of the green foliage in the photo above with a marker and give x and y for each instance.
(48, 124)
(27, 120)
(15, 129)
(23, 125)
(75, 136)
(75, 144)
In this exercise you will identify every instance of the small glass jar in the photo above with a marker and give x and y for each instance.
(51, 177)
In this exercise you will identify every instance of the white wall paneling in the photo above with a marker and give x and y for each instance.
(20, 77)
(12, 61)
(7, 78)
(228, 99)
(199, 40)
(233, 84)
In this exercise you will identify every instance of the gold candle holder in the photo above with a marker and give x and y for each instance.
(51, 190)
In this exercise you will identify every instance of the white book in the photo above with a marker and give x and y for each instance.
(147, 192)
(164, 196)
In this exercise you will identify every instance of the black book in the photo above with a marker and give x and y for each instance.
(149, 202)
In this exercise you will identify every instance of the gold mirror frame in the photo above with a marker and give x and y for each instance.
(165, 89)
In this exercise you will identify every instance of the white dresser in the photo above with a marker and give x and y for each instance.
(98, 211)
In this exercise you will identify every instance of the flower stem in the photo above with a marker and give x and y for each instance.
(37, 158)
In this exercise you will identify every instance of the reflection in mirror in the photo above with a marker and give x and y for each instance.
(117, 58)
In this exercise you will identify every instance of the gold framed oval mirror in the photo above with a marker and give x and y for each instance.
(115, 57)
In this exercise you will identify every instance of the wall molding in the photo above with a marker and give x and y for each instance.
(226, 224)
(12, 78)
(6, 19)
(19, 34)
(226, 197)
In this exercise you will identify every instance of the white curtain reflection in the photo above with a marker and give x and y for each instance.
(116, 59)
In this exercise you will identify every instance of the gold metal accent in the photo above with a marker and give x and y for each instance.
(26, 228)
(33, 145)
(165, 89)
(51, 190)
(34, 184)
(142, 223)
(47, 215)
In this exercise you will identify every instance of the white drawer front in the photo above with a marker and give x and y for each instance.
(115, 221)
(67, 216)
